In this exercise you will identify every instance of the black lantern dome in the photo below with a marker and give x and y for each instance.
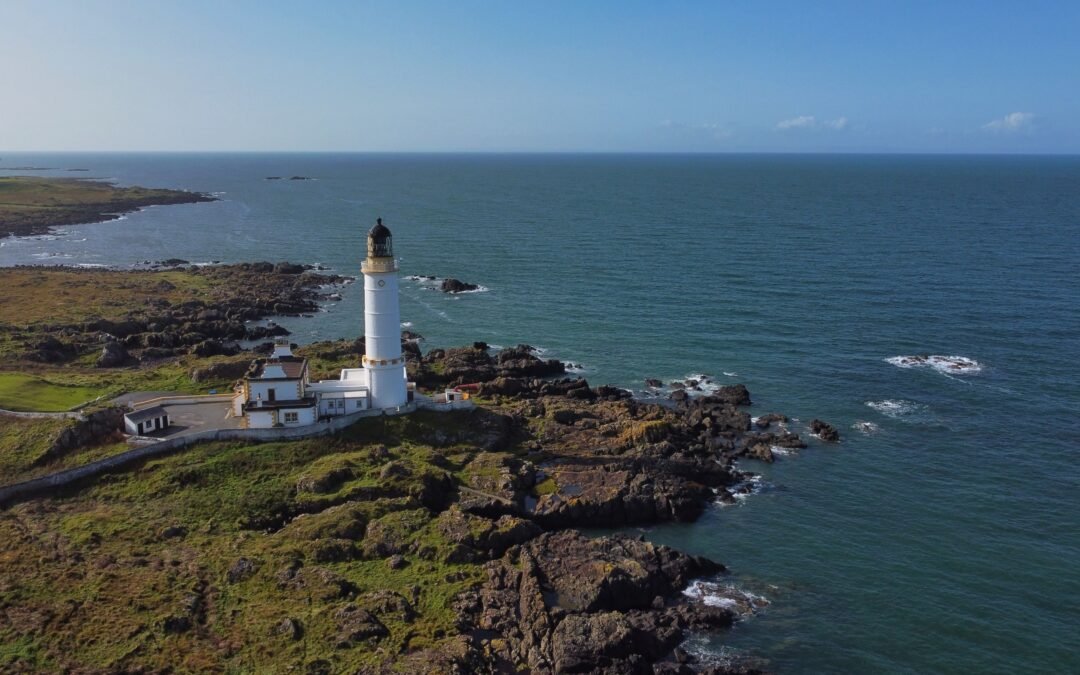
(380, 241)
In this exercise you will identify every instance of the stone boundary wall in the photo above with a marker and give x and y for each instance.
(10, 494)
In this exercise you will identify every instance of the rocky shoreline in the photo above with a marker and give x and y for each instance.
(243, 295)
(439, 542)
(555, 601)
(32, 206)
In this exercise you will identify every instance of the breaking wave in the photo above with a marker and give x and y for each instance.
(896, 408)
(866, 427)
(728, 596)
(950, 365)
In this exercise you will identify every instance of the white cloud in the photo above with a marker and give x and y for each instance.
(711, 130)
(1012, 123)
(800, 122)
(840, 123)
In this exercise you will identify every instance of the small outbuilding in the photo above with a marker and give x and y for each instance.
(146, 420)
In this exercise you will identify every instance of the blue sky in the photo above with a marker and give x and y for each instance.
(541, 76)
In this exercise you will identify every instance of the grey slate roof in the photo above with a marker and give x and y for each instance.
(146, 414)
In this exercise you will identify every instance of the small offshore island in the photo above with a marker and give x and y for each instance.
(430, 542)
(31, 205)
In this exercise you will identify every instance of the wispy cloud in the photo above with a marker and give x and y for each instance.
(811, 122)
(1012, 123)
(709, 130)
(800, 122)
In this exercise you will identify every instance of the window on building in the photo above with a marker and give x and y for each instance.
(291, 417)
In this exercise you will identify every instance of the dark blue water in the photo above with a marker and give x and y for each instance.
(943, 536)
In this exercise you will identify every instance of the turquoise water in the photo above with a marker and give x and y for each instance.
(944, 539)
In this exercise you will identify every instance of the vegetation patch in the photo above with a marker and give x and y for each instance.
(26, 393)
(31, 205)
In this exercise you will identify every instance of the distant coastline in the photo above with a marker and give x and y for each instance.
(32, 205)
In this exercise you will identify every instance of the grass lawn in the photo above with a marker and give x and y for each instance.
(26, 393)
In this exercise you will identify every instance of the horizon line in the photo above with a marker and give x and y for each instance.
(551, 152)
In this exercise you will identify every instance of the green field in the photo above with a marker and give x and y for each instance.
(25, 393)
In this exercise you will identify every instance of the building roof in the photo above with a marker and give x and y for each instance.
(292, 366)
(146, 414)
(379, 231)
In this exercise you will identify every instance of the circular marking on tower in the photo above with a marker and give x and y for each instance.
(382, 282)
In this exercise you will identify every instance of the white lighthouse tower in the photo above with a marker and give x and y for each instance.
(383, 360)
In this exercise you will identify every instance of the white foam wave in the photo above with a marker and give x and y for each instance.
(406, 324)
(866, 427)
(896, 408)
(783, 452)
(950, 365)
(728, 596)
(740, 491)
(727, 374)
(90, 265)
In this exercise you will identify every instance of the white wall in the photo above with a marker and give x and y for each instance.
(382, 316)
(260, 419)
(284, 389)
(304, 416)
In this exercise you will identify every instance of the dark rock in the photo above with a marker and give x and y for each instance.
(357, 626)
(732, 394)
(653, 383)
(396, 562)
(225, 370)
(240, 570)
(764, 421)
(289, 628)
(176, 624)
(113, 355)
(824, 431)
(456, 286)
(288, 268)
(174, 532)
(215, 348)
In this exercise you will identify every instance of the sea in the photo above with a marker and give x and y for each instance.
(940, 535)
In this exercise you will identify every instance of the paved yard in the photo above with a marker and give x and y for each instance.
(198, 417)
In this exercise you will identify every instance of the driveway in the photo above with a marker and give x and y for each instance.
(192, 417)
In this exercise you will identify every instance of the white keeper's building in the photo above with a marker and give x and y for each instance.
(277, 393)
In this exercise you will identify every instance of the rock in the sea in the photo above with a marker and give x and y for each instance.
(456, 286)
(653, 383)
(824, 431)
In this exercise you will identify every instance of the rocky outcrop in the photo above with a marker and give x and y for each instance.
(93, 429)
(475, 364)
(566, 603)
(223, 370)
(113, 355)
(159, 327)
(824, 431)
(456, 286)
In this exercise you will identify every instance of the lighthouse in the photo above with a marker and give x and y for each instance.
(383, 360)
